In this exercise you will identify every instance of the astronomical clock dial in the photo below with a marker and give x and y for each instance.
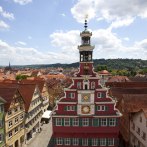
(85, 109)
(86, 98)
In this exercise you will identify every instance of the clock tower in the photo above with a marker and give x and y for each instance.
(86, 116)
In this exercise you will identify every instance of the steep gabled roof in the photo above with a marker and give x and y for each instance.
(27, 91)
(40, 83)
(7, 93)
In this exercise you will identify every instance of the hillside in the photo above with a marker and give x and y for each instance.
(118, 64)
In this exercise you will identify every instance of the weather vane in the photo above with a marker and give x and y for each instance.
(86, 16)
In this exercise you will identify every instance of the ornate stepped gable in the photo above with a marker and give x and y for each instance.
(86, 116)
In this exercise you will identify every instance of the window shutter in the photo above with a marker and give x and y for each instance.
(99, 121)
(89, 142)
(54, 121)
(106, 108)
(80, 122)
(62, 140)
(107, 121)
(96, 108)
(65, 108)
(103, 95)
(98, 142)
(106, 141)
(71, 121)
(80, 141)
(75, 108)
(116, 141)
(62, 121)
(116, 121)
(71, 141)
(53, 141)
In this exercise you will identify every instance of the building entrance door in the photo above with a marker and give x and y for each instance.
(16, 143)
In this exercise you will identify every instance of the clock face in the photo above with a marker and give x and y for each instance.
(85, 109)
(86, 98)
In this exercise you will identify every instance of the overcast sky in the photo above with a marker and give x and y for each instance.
(47, 31)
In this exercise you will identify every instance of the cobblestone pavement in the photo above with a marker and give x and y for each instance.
(42, 139)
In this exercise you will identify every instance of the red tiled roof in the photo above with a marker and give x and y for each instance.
(7, 94)
(104, 72)
(27, 91)
(39, 82)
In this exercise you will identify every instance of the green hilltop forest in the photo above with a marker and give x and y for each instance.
(128, 67)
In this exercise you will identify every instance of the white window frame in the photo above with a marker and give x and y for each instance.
(72, 95)
(84, 142)
(10, 124)
(66, 121)
(112, 121)
(94, 142)
(93, 85)
(67, 141)
(75, 121)
(16, 120)
(110, 141)
(103, 141)
(21, 116)
(58, 121)
(103, 121)
(79, 85)
(10, 134)
(70, 108)
(85, 122)
(16, 130)
(101, 108)
(99, 96)
(75, 141)
(59, 141)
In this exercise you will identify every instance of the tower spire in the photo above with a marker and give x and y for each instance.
(85, 26)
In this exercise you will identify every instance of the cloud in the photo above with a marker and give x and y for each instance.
(126, 39)
(121, 22)
(22, 2)
(20, 55)
(3, 25)
(117, 13)
(107, 45)
(82, 8)
(5, 14)
(62, 14)
(21, 43)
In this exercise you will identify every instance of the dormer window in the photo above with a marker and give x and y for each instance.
(99, 95)
(71, 95)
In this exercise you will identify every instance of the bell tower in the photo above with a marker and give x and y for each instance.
(85, 51)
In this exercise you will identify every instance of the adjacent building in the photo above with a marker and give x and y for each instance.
(138, 128)
(2, 122)
(33, 109)
(42, 85)
(14, 116)
(86, 116)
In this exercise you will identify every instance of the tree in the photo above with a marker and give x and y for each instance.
(101, 67)
(21, 77)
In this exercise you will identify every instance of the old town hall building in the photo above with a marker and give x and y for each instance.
(86, 116)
